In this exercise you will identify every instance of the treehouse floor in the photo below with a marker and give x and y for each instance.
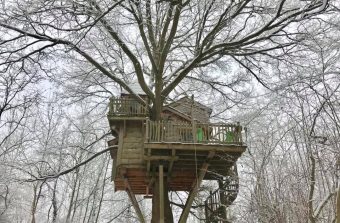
(182, 164)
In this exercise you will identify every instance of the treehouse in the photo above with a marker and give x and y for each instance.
(183, 148)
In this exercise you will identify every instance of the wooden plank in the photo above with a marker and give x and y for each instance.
(134, 155)
(147, 130)
(169, 158)
(134, 135)
(132, 148)
(123, 118)
(171, 164)
(137, 166)
(162, 131)
(131, 163)
(148, 164)
(124, 161)
(133, 142)
(135, 161)
(199, 147)
(194, 190)
(113, 171)
(120, 147)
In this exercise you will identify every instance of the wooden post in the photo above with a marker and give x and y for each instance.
(148, 162)
(239, 128)
(111, 106)
(161, 194)
(147, 130)
(171, 164)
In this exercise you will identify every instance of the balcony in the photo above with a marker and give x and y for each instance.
(185, 147)
(185, 132)
(126, 108)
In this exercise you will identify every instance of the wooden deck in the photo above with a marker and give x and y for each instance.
(126, 109)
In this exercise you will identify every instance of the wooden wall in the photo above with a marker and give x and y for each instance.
(131, 143)
(187, 106)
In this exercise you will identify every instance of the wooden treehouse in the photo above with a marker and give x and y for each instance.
(183, 148)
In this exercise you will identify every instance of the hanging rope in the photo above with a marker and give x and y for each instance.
(194, 136)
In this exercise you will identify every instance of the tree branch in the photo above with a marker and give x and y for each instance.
(56, 175)
(136, 64)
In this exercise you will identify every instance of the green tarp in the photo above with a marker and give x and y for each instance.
(229, 137)
(199, 134)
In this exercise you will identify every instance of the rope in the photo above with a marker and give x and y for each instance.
(194, 138)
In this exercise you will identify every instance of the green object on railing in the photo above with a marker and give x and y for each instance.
(199, 134)
(229, 136)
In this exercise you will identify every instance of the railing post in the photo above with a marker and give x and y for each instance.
(111, 106)
(158, 129)
(239, 134)
(147, 129)
(194, 130)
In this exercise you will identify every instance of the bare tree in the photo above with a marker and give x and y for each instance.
(159, 43)
(294, 145)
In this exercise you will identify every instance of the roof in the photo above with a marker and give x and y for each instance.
(187, 99)
(177, 112)
(135, 87)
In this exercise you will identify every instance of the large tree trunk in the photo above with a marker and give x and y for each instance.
(158, 101)
(168, 218)
(156, 115)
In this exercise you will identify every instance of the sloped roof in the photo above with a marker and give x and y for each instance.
(177, 112)
(187, 99)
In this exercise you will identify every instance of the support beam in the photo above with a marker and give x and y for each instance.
(148, 163)
(133, 200)
(150, 183)
(194, 189)
(171, 163)
(161, 194)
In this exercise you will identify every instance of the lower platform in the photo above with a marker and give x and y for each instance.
(182, 164)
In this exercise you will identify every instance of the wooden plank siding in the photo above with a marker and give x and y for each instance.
(192, 108)
(132, 147)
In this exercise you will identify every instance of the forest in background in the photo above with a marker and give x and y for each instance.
(281, 85)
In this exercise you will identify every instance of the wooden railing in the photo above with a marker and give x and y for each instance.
(127, 107)
(184, 132)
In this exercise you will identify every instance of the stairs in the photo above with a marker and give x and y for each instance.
(220, 199)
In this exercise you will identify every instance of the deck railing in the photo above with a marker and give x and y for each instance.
(127, 107)
(184, 132)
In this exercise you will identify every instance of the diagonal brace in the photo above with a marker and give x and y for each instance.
(133, 200)
(194, 189)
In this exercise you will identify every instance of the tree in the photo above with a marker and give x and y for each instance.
(160, 43)
(294, 142)
(18, 93)
(18, 96)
